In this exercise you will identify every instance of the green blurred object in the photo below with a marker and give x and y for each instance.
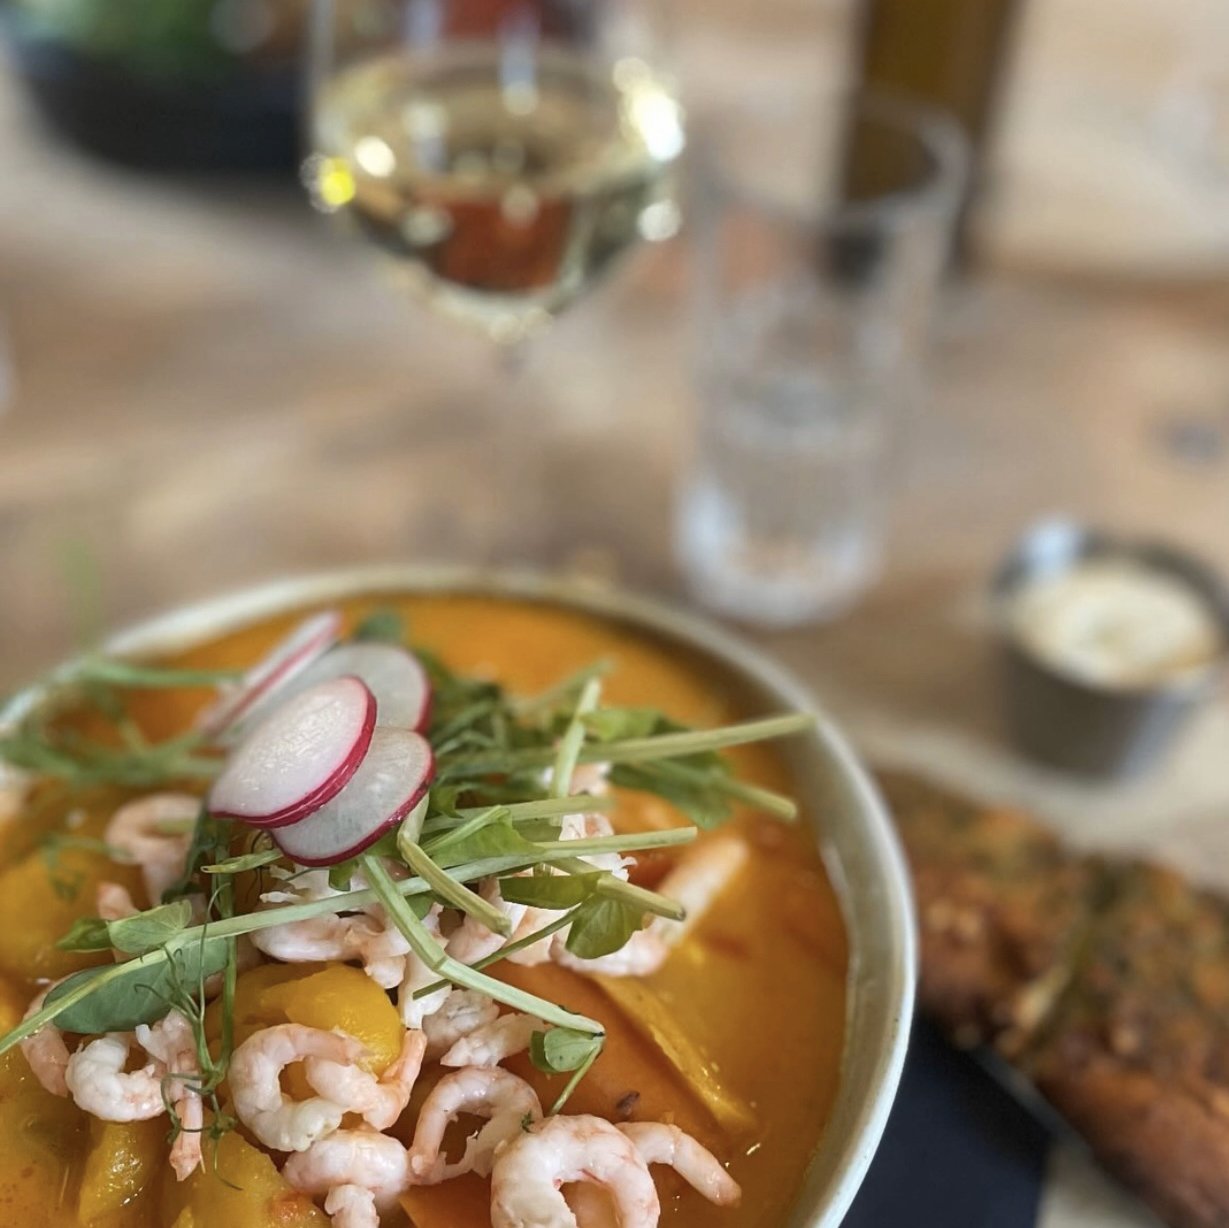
(169, 38)
(169, 84)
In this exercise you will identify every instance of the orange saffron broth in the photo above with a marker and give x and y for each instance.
(754, 998)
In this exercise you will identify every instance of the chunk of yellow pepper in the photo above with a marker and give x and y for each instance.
(43, 1135)
(328, 996)
(123, 1161)
(250, 1012)
(41, 895)
(344, 998)
(238, 1186)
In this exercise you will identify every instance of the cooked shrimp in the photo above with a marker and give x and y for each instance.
(379, 1101)
(337, 937)
(14, 789)
(377, 1164)
(137, 830)
(256, 1068)
(172, 1043)
(509, 1104)
(46, 1051)
(368, 936)
(471, 940)
(313, 940)
(114, 902)
(591, 778)
(382, 947)
(696, 881)
(641, 955)
(659, 1143)
(301, 888)
(418, 975)
(100, 1085)
(592, 827)
(536, 952)
(491, 1043)
(586, 778)
(351, 1206)
(464, 1011)
(528, 1174)
(573, 827)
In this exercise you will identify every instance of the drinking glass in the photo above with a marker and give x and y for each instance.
(819, 251)
(504, 153)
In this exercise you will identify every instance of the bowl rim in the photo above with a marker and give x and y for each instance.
(863, 1103)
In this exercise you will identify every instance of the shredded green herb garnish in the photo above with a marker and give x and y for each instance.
(505, 770)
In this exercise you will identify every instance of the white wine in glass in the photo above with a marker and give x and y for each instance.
(504, 153)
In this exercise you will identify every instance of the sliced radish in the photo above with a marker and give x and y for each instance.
(299, 757)
(396, 678)
(389, 783)
(312, 638)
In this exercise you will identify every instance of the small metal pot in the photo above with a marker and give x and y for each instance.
(1077, 725)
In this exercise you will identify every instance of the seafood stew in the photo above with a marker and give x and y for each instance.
(432, 1011)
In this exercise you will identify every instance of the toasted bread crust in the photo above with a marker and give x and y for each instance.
(1001, 909)
(1106, 982)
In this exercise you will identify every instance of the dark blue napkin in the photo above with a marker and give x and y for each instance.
(958, 1152)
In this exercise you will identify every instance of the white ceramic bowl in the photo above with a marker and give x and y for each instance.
(855, 835)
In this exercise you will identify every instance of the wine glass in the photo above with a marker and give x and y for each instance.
(504, 153)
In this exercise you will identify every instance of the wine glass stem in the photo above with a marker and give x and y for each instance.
(519, 468)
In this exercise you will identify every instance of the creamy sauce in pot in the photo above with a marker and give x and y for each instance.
(1116, 623)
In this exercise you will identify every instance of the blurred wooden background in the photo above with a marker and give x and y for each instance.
(211, 387)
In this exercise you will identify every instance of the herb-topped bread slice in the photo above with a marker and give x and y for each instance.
(1137, 1055)
(1002, 909)
(1105, 982)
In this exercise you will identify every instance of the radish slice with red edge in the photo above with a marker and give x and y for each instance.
(299, 757)
(396, 678)
(310, 640)
(390, 782)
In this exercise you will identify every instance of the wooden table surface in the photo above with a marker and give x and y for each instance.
(211, 388)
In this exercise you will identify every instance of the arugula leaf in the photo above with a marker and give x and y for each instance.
(245, 862)
(560, 699)
(138, 991)
(428, 949)
(144, 931)
(210, 845)
(451, 893)
(563, 1049)
(497, 839)
(385, 626)
(699, 795)
(114, 672)
(65, 756)
(602, 926)
(342, 874)
(559, 1050)
(537, 830)
(86, 934)
(549, 890)
(614, 724)
(135, 935)
(573, 739)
